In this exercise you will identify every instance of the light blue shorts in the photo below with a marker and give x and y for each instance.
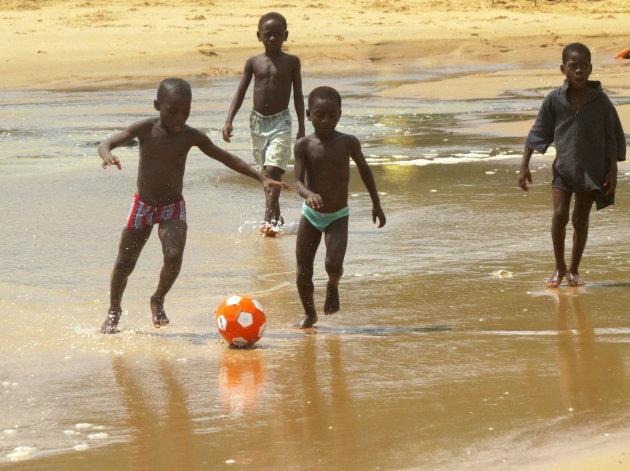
(321, 221)
(271, 139)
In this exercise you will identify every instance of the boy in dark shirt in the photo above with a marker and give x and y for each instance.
(589, 140)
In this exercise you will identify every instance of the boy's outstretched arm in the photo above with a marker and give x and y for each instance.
(237, 101)
(298, 98)
(105, 148)
(368, 181)
(524, 175)
(234, 162)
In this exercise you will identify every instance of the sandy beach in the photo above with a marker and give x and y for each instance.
(52, 44)
(510, 46)
(64, 44)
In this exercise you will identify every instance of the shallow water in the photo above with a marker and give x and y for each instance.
(448, 354)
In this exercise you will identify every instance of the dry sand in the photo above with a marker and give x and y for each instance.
(58, 44)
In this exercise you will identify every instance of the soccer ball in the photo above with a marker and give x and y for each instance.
(240, 320)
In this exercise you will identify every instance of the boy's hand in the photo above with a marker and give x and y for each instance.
(269, 184)
(377, 212)
(524, 177)
(314, 201)
(227, 132)
(611, 182)
(300, 134)
(112, 160)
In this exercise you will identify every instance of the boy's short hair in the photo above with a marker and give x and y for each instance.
(575, 47)
(324, 93)
(272, 15)
(175, 86)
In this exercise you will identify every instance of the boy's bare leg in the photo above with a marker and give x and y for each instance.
(336, 239)
(131, 243)
(580, 220)
(272, 199)
(559, 221)
(308, 240)
(173, 237)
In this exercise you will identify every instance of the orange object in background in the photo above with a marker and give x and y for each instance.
(623, 54)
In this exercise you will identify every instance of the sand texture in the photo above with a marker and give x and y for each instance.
(67, 44)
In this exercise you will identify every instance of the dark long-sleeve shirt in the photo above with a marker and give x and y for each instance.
(586, 141)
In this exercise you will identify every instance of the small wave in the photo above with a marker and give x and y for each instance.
(429, 159)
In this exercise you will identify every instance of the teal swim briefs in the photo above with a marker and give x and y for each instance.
(321, 221)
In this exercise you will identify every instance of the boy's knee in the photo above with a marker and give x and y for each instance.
(275, 173)
(334, 269)
(274, 193)
(560, 217)
(173, 255)
(125, 265)
(580, 221)
(303, 274)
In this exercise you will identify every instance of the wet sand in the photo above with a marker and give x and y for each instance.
(449, 353)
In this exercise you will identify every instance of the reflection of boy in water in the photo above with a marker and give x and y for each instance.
(584, 125)
(164, 145)
(322, 173)
(275, 74)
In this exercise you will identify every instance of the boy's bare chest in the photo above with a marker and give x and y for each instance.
(165, 148)
(336, 156)
(272, 69)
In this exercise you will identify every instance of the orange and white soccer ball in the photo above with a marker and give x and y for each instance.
(240, 320)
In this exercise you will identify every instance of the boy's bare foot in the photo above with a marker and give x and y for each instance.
(573, 279)
(555, 279)
(110, 326)
(306, 322)
(158, 313)
(331, 304)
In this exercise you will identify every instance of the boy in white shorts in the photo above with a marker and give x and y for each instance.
(275, 74)
(271, 139)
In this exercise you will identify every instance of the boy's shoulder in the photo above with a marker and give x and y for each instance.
(350, 138)
(144, 125)
(556, 92)
(292, 57)
(147, 122)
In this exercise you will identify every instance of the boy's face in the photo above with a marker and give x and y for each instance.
(324, 113)
(577, 68)
(174, 111)
(272, 34)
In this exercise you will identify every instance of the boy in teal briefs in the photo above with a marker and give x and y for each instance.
(321, 221)
(323, 159)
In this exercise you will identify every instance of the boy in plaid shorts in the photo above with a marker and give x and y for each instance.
(164, 145)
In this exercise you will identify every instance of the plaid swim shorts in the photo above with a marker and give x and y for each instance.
(142, 214)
